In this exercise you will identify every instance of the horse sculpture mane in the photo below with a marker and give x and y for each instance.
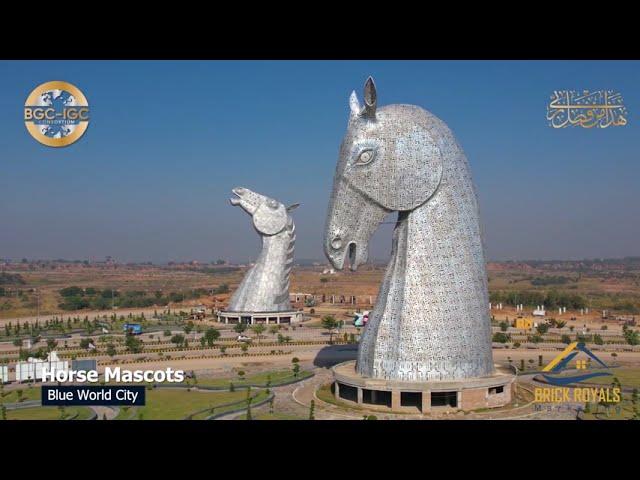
(431, 318)
(265, 287)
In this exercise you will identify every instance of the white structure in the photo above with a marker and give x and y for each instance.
(539, 312)
(4, 374)
(33, 368)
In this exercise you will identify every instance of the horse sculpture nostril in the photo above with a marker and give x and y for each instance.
(336, 243)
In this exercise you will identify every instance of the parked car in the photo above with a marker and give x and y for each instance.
(243, 338)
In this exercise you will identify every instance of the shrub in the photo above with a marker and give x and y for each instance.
(500, 337)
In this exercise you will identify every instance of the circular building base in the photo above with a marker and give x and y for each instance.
(425, 397)
(253, 318)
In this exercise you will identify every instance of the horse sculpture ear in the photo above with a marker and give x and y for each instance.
(269, 221)
(370, 98)
(292, 207)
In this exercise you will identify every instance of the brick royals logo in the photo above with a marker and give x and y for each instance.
(561, 362)
(56, 114)
(555, 374)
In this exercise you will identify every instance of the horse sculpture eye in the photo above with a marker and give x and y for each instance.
(365, 157)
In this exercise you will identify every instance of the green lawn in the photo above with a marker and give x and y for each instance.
(616, 412)
(127, 413)
(48, 413)
(176, 404)
(277, 377)
(629, 376)
(28, 393)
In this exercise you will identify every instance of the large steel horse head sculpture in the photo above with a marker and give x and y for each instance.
(431, 319)
(265, 287)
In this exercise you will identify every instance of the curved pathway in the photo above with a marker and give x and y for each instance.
(105, 413)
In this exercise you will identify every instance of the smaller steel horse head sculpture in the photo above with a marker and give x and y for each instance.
(431, 319)
(265, 287)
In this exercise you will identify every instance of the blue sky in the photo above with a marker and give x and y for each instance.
(150, 180)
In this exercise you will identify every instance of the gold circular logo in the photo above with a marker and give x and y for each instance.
(56, 114)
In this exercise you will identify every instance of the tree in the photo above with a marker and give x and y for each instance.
(296, 366)
(133, 344)
(239, 328)
(211, 335)
(330, 323)
(167, 333)
(258, 329)
(244, 347)
(632, 337)
(500, 337)
(566, 339)
(86, 342)
(504, 326)
(312, 407)
(51, 344)
(274, 329)
(17, 342)
(178, 339)
(597, 339)
(188, 328)
(111, 349)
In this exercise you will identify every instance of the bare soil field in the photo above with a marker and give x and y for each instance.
(36, 291)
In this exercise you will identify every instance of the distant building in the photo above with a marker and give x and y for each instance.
(198, 313)
(32, 369)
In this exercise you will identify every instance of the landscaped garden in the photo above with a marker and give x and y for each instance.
(261, 379)
(50, 413)
(178, 404)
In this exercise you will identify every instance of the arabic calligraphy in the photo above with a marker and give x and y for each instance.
(600, 109)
